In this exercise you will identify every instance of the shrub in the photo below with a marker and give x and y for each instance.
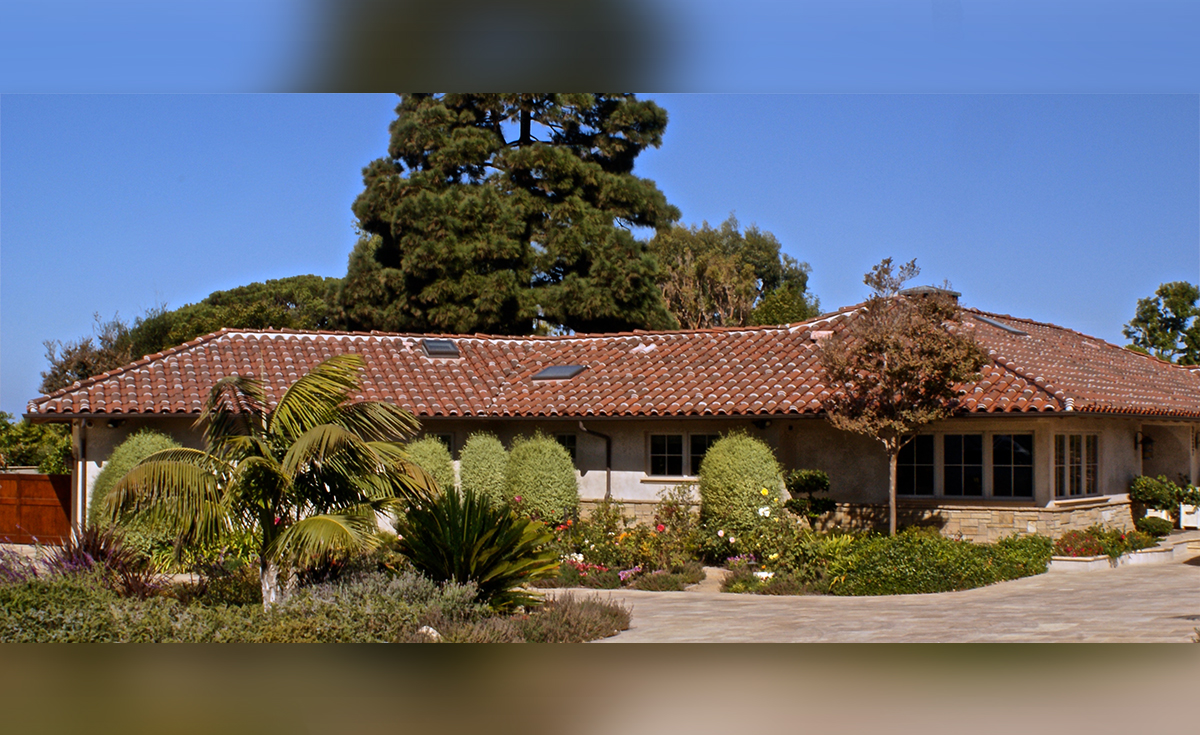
(569, 619)
(16, 567)
(482, 465)
(913, 562)
(1096, 541)
(802, 485)
(1159, 493)
(732, 476)
(1157, 527)
(103, 552)
(540, 479)
(431, 455)
(126, 455)
(461, 537)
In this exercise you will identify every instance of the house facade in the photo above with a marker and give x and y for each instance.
(1046, 440)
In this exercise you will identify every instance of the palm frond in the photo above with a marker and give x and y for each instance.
(329, 443)
(314, 398)
(320, 537)
(184, 498)
(377, 421)
(236, 405)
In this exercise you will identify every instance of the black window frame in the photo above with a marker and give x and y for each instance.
(909, 470)
(1010, 467)
(962, 478)
(662, 454)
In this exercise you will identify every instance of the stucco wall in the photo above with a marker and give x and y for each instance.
(857, 465)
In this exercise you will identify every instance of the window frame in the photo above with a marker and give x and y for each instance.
(685, 465)
(988, 468)
(1095, 465)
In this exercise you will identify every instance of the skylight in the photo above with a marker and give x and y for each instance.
(559, 372)
(440, 348)
(1001, 325)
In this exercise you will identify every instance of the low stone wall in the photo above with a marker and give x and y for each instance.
(987, 522)
(642, 511)
(982, 522)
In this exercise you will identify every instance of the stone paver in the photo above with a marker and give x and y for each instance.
(1131, 604)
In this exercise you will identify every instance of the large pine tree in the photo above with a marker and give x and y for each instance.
(492, 211)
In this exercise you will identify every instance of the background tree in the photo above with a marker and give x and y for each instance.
(45, 446)
(300, 302)
(1167, 325)
(309, 477)
(493, 210)
(726, 277)
(897, 365)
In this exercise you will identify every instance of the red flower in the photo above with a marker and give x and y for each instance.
(517, 499)
(660, 528)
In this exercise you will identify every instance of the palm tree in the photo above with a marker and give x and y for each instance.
(310, 478)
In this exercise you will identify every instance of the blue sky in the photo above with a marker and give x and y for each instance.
(1064, 208)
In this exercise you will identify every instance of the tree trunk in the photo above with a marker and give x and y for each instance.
(272, 590)
(892, 461)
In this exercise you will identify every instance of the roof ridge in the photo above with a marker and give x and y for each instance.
(143, 360)
(1037, 381)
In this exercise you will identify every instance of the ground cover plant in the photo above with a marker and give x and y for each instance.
(80, 593)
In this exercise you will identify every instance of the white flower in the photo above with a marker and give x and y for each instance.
(764, 511)
(577, 558)
(764, 575)
(721, 534)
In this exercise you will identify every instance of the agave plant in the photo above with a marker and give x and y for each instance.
(461, 537)
(309, 478)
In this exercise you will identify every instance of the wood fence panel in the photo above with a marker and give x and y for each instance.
(34, 508)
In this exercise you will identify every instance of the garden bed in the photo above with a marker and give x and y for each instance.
(1163, 554)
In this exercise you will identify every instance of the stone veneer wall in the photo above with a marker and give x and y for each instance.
(985, 523)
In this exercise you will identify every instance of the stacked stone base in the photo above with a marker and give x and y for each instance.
(974, 521)
(986, 523)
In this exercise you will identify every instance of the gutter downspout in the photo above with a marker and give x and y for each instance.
(607, 459)
(79, 501)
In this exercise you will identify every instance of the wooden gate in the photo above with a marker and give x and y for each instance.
(34, 508)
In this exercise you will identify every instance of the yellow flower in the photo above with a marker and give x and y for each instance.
(764, 491)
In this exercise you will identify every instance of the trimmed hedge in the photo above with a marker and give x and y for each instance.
(916, 562)
(541, 474)
(127, 454)
(482, 464)
(733, 475)
(431, 455)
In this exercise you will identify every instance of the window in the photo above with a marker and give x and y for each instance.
(1075, 465)
(962, 468)
(568, 442)
(699, 445)
(448, 440)
(914, 467)
(666, 454)
(1012, 465)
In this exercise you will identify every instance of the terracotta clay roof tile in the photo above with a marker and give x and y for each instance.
(726, 371)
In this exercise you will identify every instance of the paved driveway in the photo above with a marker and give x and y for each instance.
(1135, 604)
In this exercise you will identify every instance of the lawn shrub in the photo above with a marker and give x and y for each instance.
(137, 536)
(1154, 526)
(570, 619)
(122, 569)
(735, 471)
(431, 455)
(124, 457)
(913, 562)
(482, 464)
(540, 480)
(16, 567)
(802, 486)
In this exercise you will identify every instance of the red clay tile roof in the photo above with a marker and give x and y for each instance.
(728, 371)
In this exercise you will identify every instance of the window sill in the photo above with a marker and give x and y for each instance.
(668, 480)
(960, 500)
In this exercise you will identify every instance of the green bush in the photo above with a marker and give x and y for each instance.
(802, 485)
(915, 562)
(1159, 493)
(735, 471)
(1153, 526)
(461, 537)
(431, 455)
(1097, 540)
(482, 465)
(124, 457)
(540, 479)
